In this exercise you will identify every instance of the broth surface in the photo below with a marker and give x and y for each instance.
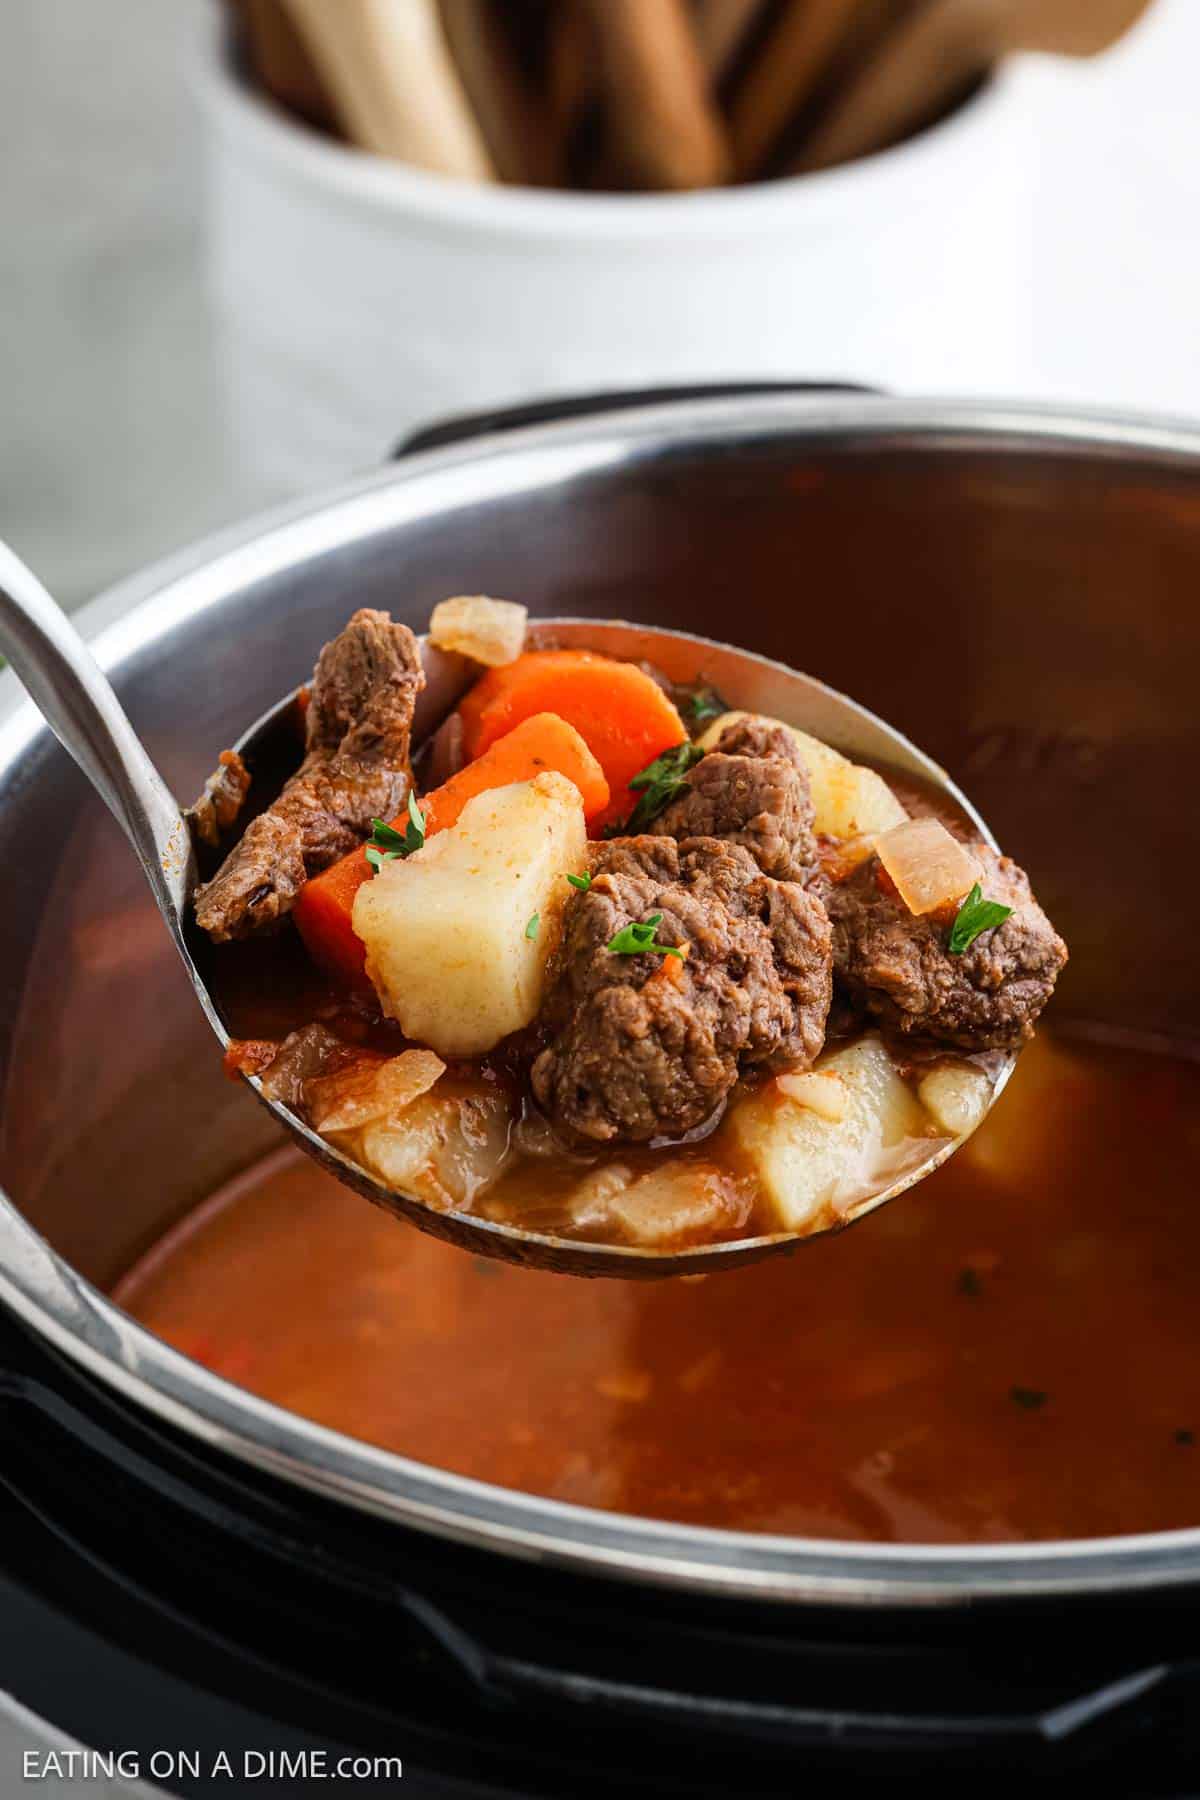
(1007, 1352)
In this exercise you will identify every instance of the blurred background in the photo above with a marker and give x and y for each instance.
(206, 306)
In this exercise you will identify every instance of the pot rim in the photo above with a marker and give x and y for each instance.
(78, 1320)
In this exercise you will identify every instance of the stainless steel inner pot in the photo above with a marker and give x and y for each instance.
(1015, 590)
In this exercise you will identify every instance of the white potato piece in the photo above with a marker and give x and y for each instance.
(807, 1163)
(929, 866)
(678, 1202)
(445, 1148)
(822, 1090)
(489, 631)
(849, 801)
(445, 929)
(956, 1096)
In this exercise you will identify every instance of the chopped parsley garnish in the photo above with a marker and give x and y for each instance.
(531, 929)
(638, 940)
(969, 1283)
(705, 704)
(386, 843)
(1029, 1399)
(582, 882)
(658, 783)
(974, 916)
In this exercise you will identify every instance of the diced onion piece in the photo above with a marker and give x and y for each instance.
(447, 1149)
(929, 866)
(823, 1093)
(956, 1095)
(489, 631)
(369, 1093)
(677, 1202)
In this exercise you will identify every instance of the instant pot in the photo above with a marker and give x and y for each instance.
(186, 1567)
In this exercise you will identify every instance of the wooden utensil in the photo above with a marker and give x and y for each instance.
(280, 63)
(788, 67)
(721, 27)
(937, 54)
(665, 129)
(389, 68)
(569, 78)
(511, 116)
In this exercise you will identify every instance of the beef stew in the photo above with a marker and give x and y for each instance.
(611, 978)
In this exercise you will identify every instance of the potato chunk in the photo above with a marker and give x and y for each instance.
(956, 1096)
(849, 801)
(808, 1162)
(457, 936)
(489, 631)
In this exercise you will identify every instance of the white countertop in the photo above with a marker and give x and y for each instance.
(112, 446)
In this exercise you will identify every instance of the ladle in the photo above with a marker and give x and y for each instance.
(79, 705)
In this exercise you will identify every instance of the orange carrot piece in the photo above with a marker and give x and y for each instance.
(543, 741)
(620, 712)
(324, 913)
(325, 905)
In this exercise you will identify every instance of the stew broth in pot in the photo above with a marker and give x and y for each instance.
(1009, 1355)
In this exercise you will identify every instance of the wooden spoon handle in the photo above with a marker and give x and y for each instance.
(940, 49)
(926, 61)
(788, 66)
(666, 130)
(1071, 27)
(512, 119)
(280, 63)
(721, 27)
(389, 68)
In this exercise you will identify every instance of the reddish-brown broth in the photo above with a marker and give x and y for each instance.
(1007, 1352)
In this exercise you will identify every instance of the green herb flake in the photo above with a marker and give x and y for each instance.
(386, 838)
(1028, 1399)
(656, 785)
(705, 704)
(975, 915)
(582, 882)
(1185, 1437)
(638, 940)
(531, 929)
(969, 1283)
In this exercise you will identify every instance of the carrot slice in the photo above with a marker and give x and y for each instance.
(621, 712)
(325, 905)
(544, 741)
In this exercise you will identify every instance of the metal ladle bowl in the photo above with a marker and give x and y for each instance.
(79, 705)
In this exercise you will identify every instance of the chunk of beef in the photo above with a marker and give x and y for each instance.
(356, 766)
(760, 802)
(648, 1046)
(219, 805)
(756, 736)
(900, 968)
(311, 1051)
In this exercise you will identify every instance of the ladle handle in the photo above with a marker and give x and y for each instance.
(67, 686)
